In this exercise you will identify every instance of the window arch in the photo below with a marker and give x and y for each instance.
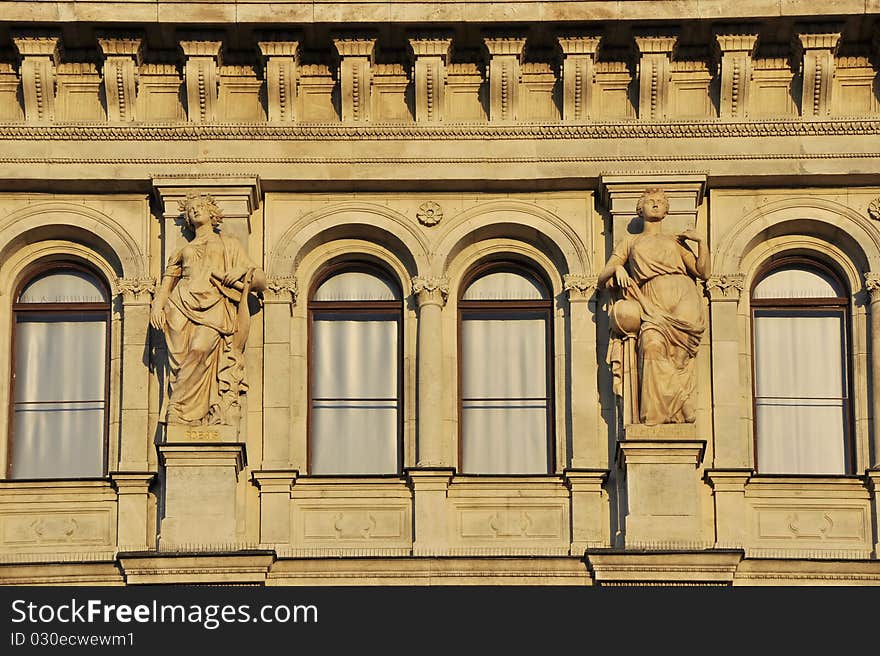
(801, 373)
(60, 374)
(355, 371)
(505, 336)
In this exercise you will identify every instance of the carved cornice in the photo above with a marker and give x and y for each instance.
(279, 46)
(281, 289)
(117, 46)
(872, 285)
(572, 44)
(39, 44)
(580, 287)
(479, 131)
(430, 291)
(355, 45)
(198, 47)
(725, 286)
(656, 44)
(827, 39)
(135, 289)
(744, 41)
(430, 46)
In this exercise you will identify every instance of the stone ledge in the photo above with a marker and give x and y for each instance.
(670, 568)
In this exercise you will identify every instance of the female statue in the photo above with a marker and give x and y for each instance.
(655, 275)
(202, 307)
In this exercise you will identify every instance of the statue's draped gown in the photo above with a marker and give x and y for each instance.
(206, 372)
(672, 310)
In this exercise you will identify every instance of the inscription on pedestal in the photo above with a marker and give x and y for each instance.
(218, 433)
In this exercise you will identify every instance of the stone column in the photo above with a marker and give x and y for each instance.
(202, 79)
(505, 59)
(737, 45)
(654, 74)
(731, 517)
(431, 296)
(135, 438)
(278, 302)
(819, 48)
(355, 78)
(40, 55)
(588, 446)
(872, 284)
(429, 76)
(732, 446)
(578, 75)
(275, 488)
(134, 522)
(281, 53)
(122, 57)
(201, 476)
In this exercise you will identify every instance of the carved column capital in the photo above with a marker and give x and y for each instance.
(737, 45)
(818, 45)
(122, 57)
(430, 291)
(135, 291)
(355, 75)
(40, 53)
(872, 285)
(725, 286)
(505, 59)
(281, 289)
(431, 54)
(203, 59)
(580, 287)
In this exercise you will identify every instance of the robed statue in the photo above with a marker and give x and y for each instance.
(657, 316)
(202, 308)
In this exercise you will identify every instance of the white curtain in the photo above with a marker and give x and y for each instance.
(800, 391)
(504, 404)
(65, 286)
(59, 414)
(504, 394)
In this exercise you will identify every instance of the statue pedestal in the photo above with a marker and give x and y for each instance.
(200, 494)
(662, 486)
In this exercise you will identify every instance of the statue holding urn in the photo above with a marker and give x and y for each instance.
(657, 316)
(202, 308)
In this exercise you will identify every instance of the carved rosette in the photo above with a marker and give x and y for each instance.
(430, 291)
(874, 209)
(579, 286)
(726, 286)
(429, 213)
(135, 290)
(872, 285)
(281, 289)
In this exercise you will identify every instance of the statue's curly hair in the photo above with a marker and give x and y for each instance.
(640, 205)
(193, 201)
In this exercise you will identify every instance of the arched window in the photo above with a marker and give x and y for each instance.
(506, 384)
(355, 414)
(800, 323)
(59, 372)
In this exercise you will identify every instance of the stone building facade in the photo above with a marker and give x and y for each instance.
(429, 146)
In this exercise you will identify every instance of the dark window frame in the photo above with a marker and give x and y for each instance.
(101, 310)
(835, 303)
(544, 307)
(391, 308)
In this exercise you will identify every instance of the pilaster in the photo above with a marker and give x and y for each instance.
(122, 57)
(732, 448)
(355, 76)
(737, 45)
(819, 46)
(275, 488)
(656, 51)
(430, 296)
(203, 60)
(281, 55)
(278, 302)
(505, 74)
(134, 526)
(589, 449)
(874, 488)
(135, 438)
(872, 285)
(578, 76)
(40, 55)
(431, 57)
